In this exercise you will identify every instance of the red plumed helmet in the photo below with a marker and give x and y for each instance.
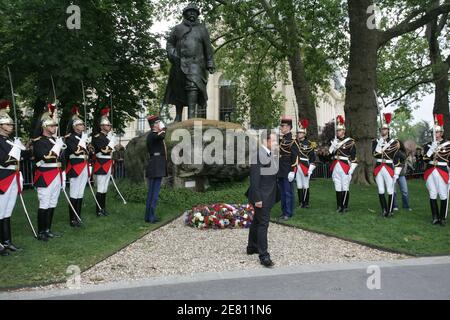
(340, 119)
(304, 123)
(388, 118)
(51, 108)
(75, 110)
(4, 104)
(439, 119)
(105, 111)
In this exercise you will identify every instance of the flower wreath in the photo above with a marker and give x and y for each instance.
(220, 216)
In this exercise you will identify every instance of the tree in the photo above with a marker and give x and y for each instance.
(365, 42)
(113, 52)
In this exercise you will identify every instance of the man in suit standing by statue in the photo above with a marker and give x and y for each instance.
(190, 52)
(262, 194)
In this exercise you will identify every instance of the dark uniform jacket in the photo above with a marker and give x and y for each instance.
(438, 160)
(48, 165)
(286, 156)
(303, 155)
(191, 54)
(103, 154)
(8, 165)
(76, 156)
(388, 158)
(263, 184)
(345, 154)
(156, 147)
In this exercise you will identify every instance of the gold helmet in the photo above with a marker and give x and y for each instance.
(387, 120)
(4, 110)
(76, 120)
(439, 122)
(48, 118)
(303, 124)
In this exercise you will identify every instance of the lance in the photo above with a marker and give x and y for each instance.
(89, 171)
(64, 147)
(111, 176)
(18, 169)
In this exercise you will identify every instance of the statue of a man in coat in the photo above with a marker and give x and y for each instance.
(190, 52)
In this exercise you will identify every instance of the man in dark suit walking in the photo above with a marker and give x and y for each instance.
(262, 194)
(157, 165)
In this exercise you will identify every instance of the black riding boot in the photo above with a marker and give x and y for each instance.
(300, 197)
(103, 204)
(6, 240)
(443, 212)
(390, 205)
(72, 217)
(384, 209)
(434, 211)
(192, 97)
(48, 229)
(339, 201)
(306, 202)
(98, 211)
(3, 251)
(345, 199)
(42, 224)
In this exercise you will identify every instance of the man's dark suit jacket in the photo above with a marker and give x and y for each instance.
(263, 180)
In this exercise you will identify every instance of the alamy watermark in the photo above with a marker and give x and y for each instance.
(374, 280)
(73, 22)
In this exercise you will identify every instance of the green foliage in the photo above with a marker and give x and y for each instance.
(113, 51)
(403, 129)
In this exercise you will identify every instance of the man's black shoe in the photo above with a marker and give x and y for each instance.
(251, 251)
(267, 262)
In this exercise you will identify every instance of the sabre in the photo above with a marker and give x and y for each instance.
(378, 110)
(56, 104)
(117, 189)
(296, 119)
(16, 129)
(70, 204)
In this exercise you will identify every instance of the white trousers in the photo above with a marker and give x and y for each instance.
(48, 197)
(8, 200)
(301, 179)
(383, 179)
(102, 181)
(436, 185)
(340, 178)
(78, 184)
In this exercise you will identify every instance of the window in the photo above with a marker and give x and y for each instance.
(141, 119)
(226, 103)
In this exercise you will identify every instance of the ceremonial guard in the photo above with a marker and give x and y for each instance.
(388, 166)
(436, 157)
(48, 176)
(157, 165)
(303, 167)
(285, 165)
(343, 151)
(103, 143)
(11, 180)
(77, 168)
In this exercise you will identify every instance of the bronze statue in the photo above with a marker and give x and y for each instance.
(190, 52)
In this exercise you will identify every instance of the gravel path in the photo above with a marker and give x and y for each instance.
(176, 249)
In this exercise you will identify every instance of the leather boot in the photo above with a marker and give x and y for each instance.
(42, 224)
(384, 209)
(7, 242)
(72, 218)
(434, 211)
(443, 212)
(98, 211)
(3, 251)
(103, 204)
(300, 197)
(48, 229)
(345, 199)
(306, 202)
(390, 205)
(192, 97)
(339, 201)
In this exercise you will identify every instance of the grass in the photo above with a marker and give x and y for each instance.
(40, 262)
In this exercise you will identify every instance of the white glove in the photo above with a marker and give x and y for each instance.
(353, 166)
(19, 143)
(432, 149)
(58, 146)
(380, 144)
(15, 152)
(161, 125)
(112, 142)
(311, 169)
(334, 145)
(291, 176)
(83, 140)
(395, 177)
(63, 182)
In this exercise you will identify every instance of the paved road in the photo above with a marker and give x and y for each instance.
(423, 278)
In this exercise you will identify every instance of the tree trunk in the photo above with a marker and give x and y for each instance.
(302, 91)
(360, 104)
(440, 74)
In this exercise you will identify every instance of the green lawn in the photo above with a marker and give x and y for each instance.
(44, 262)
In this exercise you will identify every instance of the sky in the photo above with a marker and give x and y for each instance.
(420, 114)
